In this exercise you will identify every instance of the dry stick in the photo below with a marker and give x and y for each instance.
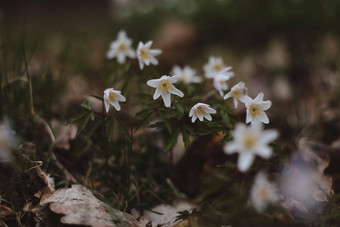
(47, 128)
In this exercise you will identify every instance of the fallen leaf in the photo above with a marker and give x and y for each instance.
(81, 207)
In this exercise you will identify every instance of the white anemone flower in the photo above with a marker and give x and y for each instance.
(214, 66)
(112, 97)
(164, 87)
(146, 55)
(220, 80)
(262, 193)
(256, 108)
(237, 92)
(186, 75)
(121, 48)
(7, 141)
(201, 110)
(248, 142)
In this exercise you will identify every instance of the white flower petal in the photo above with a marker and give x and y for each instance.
(235, 103)
(259, 98)
(265, 105)
(228, 95)
(175, 91)
(153, 83)
(155, 52)
(207, 116)
(121, 58)
(148, 45)
(263, 118)
(231, 148)
(247, 100)
(194, 117)
(166, 98)
(268, 136)
(249, 117)
(210, 110)
(200, 117)
(264, 152)
(141, 64)
(121, 98)
(157, 94)
(192, 111)
(116, 105)
(107, 106)
(131, 53)
(244, 161)
(153, 60)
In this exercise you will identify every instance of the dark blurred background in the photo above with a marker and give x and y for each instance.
(288, 49)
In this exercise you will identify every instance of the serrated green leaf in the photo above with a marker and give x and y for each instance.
(172, 140)
(92, 116)
(83, 123)
(225, 117)
(77, 117)
(86, 104)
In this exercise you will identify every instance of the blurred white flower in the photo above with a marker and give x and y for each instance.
(112, 97)
(237, 92)
(201, 110)
(249, 141)
(214, 66)
(303, 180)
(7, 141)
(262, 193)
(121, 48)
(187, 74)
(220, 80)
(146, 55)
(164, 87)
(256, 108)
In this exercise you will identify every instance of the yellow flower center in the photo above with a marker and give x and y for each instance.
(164, 85)
(144, 53)
(249, 140)
(200, 110)
(112, 96)
(217, 68)
(122, 47)
(262, 193)
(222, 82)
(255, 110)
(236, 93)
(184, 77)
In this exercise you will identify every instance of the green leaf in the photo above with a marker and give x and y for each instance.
(110, 129)
(166, 122)
(225, 117)
(100, 97)
(180, 110)
(172, 140)
(92, 116)
(86, 104)
(77, 117)
(83, 123)
(124, 129)
(145, 121)
(186, 138)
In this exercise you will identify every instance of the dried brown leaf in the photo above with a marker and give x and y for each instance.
(81, 207)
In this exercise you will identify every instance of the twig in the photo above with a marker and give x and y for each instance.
(47, 128)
